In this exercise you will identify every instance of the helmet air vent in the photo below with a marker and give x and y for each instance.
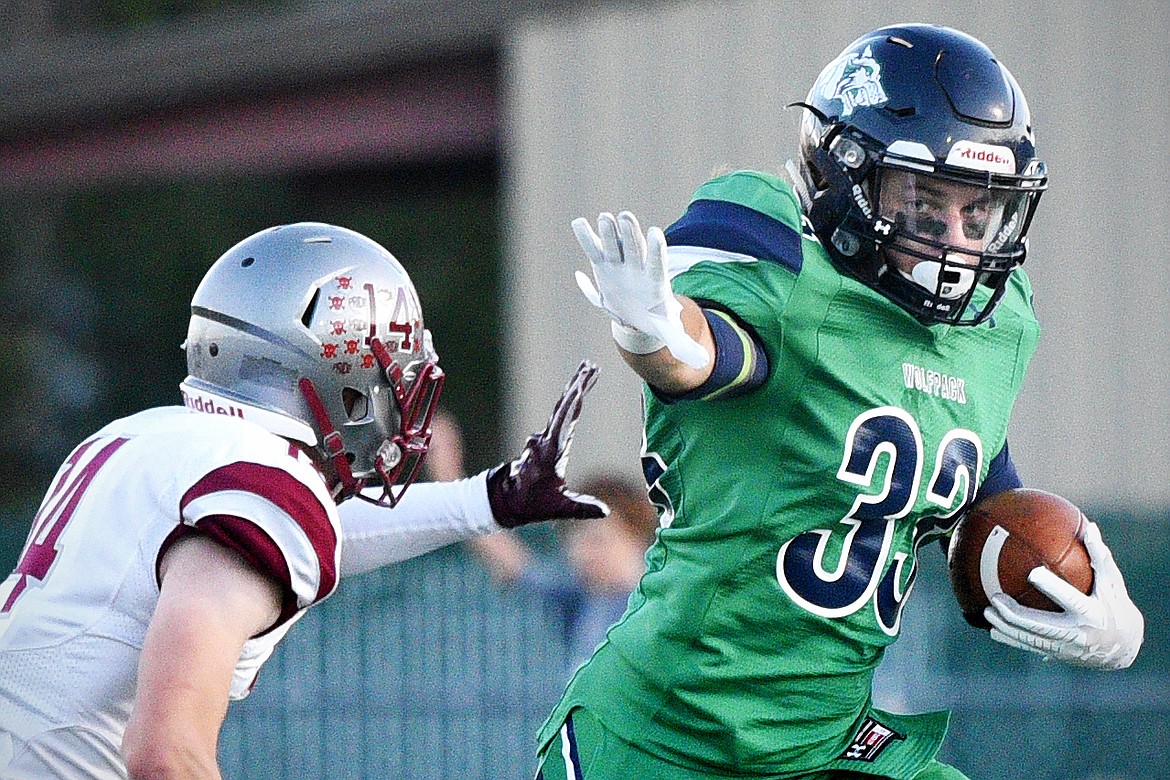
(307, 317)
(357, 405)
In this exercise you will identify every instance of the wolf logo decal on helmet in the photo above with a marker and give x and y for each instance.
(856, 82)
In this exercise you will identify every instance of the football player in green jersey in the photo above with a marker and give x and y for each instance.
(830, 367)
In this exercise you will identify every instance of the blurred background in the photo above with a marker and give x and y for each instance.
(140, 140)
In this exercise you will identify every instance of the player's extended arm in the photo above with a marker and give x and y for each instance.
(504, 555)
(664, 337)
(1103, 630)
(529, 489)
(209, 604)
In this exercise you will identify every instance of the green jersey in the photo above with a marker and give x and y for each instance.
(792, 516)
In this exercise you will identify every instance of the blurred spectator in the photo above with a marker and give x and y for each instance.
(602, 560)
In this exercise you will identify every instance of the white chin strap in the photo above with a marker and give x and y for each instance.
(958, 279)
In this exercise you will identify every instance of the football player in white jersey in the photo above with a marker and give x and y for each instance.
(175, 547)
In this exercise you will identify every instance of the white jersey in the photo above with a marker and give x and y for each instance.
(74, 613)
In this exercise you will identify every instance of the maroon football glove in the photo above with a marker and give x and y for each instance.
(531, 488)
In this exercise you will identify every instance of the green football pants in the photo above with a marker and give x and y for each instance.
(585, 750)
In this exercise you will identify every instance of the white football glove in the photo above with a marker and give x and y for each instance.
(632, 288)
(1103, 630)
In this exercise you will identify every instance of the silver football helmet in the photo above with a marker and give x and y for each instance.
(315, 332)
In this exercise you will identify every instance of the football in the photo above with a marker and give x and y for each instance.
(1003, 537)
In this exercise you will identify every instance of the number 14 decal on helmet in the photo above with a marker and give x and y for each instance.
(868, 528)
(408, 324)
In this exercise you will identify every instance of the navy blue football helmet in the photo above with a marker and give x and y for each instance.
(918, 170)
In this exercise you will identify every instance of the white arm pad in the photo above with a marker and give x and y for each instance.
(429, 516)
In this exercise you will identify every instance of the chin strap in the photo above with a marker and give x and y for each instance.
(798, 185)
(949, 279)
(330, 439)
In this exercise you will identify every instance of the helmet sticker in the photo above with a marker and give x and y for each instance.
(855, 81)
(982, 157)
(1007, 231)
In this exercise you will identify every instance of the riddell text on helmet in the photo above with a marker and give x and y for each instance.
(986, 155)
(208, 406)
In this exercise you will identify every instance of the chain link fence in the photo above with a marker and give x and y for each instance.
(427, 671)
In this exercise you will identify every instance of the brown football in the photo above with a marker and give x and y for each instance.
(1005, 536)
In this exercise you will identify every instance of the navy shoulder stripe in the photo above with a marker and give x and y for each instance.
(730, 227)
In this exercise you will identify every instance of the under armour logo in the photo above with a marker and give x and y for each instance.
(870, 741)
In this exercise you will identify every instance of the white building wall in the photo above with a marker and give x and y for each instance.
(633, 107)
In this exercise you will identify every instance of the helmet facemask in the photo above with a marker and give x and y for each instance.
(399, 458)
(939, 240)
(953, 234)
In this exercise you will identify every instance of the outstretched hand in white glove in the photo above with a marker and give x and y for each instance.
(1103, 630)
(629, 269)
